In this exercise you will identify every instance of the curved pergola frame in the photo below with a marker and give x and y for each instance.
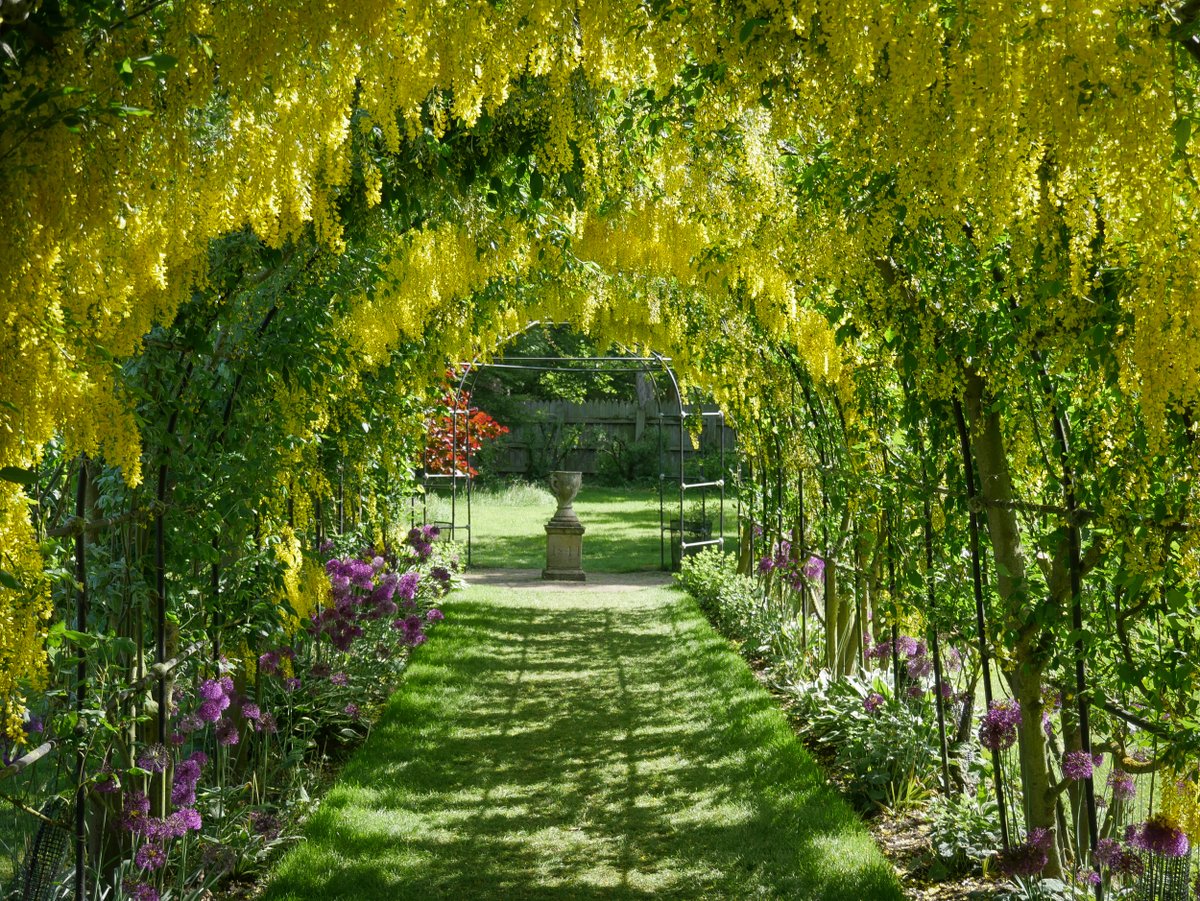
(653, 365)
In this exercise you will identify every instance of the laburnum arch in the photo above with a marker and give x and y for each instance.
(938, 264)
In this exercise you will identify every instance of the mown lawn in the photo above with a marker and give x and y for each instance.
(622, 526)
(581, 742)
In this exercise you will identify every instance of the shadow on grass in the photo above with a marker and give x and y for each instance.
(597, 747)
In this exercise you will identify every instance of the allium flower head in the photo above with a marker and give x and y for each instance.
(352, 711)
(211, 690)
(134, 810)
(406, 586)
(1077, 765)
(340, 679)
(919, 667)
(1158, 835)
(151, 856)
(881, 651)
(1122, 785)
(872, 702)
(185, 819)
(251, 711)
(1029, 857)
(766, 564)
(227, 734)
(140, 891)
(291, 684)
(906, 645)
(814, 568)
(434, 615)
(154, 758)
(998, 730)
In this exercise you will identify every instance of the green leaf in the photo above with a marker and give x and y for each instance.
(537, 184)
(748, 28)
(9, 581)
(1183, 133)
(18, 475)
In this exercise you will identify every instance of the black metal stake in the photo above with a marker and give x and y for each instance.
(81, 673)
(980, 621)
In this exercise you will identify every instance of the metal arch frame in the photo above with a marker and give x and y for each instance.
(650, 365)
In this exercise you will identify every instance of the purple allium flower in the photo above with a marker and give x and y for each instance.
(1047, 725)
(291, 684)
(266, 723)
(814, 569)
(211, 690)
(106, 781)
(209, 711)
(766, 564)
(1128, 863)
(1122, 785)
(265, 824)
(434, 615)
(415, 641)
(352, 711)
(251, 711)
(406, 587)
(340, 679)
(1077, 765)
(193, 722)
(268, 663)
(134, 810)
(227, 734)
(150, 856)
(155, 759)
(140, 891)
(953, 660)
(919, 667)
(440, 573)
(998, 730)
(906, 645)
(34, 725)
(185, 819)
(946, 690)
(881, 651)
(1029, 857)
(227, 684)
(1107, 851)
(872, 702)
(1159, 836)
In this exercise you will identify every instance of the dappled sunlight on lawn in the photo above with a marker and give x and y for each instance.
(576, 744)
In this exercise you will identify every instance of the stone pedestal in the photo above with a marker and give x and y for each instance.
(564, 532)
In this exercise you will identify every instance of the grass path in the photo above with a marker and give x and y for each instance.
(581, 742)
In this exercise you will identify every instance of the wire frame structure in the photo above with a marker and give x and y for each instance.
(677, 537)
(46, 861)
(1165, 878)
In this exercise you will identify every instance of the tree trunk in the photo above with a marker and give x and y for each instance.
(1025, 673)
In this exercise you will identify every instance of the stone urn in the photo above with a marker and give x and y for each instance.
(564, 532)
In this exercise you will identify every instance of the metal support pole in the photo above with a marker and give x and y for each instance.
(160, 592)
(937, 664)
(81, 674)
(985, 656)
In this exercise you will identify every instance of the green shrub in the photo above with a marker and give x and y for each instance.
(888, 755)
(964, 831)
(729, 600)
